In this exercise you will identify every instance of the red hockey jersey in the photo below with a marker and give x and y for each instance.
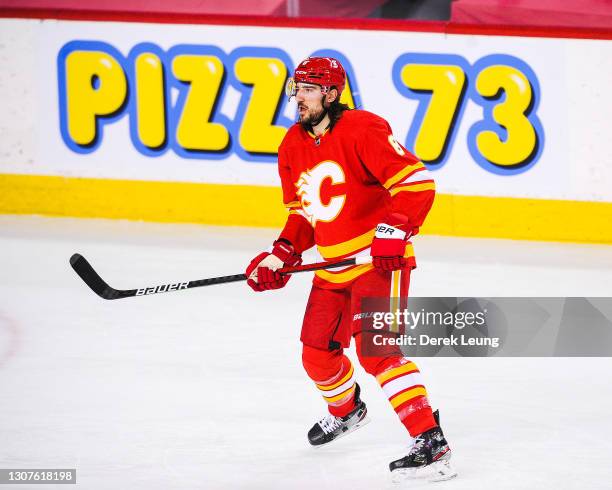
(340, 185)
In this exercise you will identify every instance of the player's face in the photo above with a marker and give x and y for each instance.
(309, 99)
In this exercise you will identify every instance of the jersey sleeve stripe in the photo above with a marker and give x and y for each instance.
(402, 174)
(418, 175)
(414, 187)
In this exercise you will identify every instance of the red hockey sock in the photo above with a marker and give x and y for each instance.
(401, 381)
(334, 377)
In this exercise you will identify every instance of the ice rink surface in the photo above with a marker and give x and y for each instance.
(204, 389)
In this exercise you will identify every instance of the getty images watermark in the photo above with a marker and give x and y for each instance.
(408, 320)
(483, 327)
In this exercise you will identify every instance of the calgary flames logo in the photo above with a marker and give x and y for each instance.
(309, 191)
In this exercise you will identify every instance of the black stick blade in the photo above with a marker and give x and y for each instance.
(91, 277)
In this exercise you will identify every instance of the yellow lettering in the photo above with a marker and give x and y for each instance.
(150, 107)
(95, 86)
(510, 114)
(347, 95)
(195, 131)
(258, 134)
(446, 83)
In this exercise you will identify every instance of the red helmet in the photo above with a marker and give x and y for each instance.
(326, 72)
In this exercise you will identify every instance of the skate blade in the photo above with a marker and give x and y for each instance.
(361, 423)
(438, 471)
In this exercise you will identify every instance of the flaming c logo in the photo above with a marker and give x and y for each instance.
(309, 191)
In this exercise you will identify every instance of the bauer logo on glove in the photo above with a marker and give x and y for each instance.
(388, 231)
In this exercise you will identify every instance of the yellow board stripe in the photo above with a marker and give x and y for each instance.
(409, 252)
(248, 205)
(520, 219)
(348, 392)
(426, 186)
(167, 202)
(335, 385)
(392, 373)
(407, 395)
(402, 174)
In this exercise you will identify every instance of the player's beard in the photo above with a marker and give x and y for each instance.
(312, 117)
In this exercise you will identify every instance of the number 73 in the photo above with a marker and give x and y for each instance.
(509, 138)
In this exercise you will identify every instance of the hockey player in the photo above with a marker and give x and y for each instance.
(352, 190)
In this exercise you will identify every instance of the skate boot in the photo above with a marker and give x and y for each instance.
(330, 427)
(428, 458)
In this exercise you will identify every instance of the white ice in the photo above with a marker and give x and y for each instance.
(204, 389)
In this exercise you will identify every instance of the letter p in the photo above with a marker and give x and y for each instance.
(92, 85)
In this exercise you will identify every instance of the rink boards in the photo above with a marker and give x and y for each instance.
(180, 122)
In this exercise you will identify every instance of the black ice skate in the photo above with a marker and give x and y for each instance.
(428, 458)
(330, 428)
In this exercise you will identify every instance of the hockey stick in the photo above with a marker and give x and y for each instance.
(86, 272)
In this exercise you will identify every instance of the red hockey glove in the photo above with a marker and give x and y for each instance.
(261, 272)
(388, 248)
